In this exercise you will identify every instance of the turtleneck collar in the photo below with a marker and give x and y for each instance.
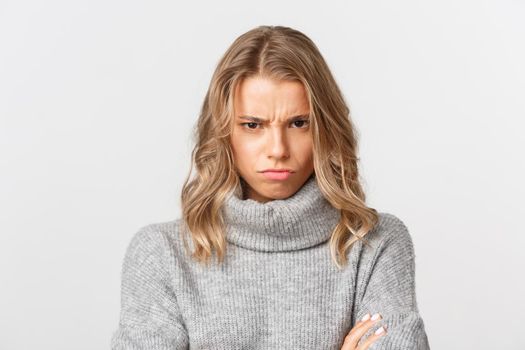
(302, 220)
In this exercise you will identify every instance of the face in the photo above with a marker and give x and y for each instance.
(271, 131)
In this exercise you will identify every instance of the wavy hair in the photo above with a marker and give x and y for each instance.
(280, 53)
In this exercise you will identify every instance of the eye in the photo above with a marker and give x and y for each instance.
(251, 123)
(300, 121)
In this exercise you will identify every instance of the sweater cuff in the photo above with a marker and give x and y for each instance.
(404, 332)
(135, 338)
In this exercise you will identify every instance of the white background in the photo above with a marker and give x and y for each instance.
(98, 99)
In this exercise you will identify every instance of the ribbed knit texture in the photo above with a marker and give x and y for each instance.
(277, 288)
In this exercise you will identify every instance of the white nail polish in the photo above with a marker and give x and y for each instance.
(365, 317)
(375, 317)
(380, 330)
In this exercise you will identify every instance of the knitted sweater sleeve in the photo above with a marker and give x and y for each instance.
(149, 315)
(386, 285)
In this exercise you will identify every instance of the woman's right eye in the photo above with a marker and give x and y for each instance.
(252, 123)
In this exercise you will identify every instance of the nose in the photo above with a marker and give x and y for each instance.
(277, 145)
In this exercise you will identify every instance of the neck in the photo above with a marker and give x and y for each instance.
(302, 220)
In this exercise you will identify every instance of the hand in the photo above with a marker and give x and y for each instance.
(359, 330)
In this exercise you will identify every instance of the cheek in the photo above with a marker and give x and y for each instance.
(303, 149)
(245, 149)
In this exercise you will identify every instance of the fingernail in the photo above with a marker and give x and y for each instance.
(380, 330)
(375, 317)
(365, 317)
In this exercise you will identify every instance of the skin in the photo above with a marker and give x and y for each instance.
(357, 332)
(278, 142)
(275, 142)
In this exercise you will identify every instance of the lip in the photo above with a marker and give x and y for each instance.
(278, 170)
(277, 175)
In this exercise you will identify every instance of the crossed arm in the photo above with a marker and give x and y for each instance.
(386, 285)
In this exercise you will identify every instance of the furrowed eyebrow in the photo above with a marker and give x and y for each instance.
(261, 120)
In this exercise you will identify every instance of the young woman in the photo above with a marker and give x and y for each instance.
(270, 251)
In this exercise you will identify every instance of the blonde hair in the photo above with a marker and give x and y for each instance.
(280, 53)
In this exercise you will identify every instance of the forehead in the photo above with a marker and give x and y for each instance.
(268, 96)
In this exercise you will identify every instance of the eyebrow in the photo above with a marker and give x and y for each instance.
(261, 120)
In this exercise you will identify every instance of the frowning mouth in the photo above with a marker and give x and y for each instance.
(278, 170)
(277, 174)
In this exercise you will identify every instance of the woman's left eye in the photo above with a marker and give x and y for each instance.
(301, 121)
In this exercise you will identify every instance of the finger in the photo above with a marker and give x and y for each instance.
(380, 332)
(349, 343)
(365, 324)
(352, 338)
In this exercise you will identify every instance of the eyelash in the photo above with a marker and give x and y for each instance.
(295, 121)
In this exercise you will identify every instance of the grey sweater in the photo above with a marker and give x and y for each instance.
(277, 288)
